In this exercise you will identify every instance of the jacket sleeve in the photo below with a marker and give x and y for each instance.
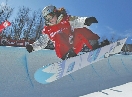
(77, 22)
(41, 42)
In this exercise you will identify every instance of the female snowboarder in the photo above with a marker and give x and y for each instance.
(69, 33)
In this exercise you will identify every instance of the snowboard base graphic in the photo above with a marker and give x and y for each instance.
(55, 71)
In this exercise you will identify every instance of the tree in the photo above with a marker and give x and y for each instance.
(34, 26)
(39, 26)
(5, 13)
(26, 26)
(18, 25)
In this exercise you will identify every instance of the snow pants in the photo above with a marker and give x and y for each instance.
(81, 36)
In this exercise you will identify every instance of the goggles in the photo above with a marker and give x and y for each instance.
(49, 16)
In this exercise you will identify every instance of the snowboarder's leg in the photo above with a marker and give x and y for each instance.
(79, 41)
(62, 45)
(81, 37)
(87, 33)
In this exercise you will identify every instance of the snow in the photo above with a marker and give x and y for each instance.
(110, 77)
(118, 91)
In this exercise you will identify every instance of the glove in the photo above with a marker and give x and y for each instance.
(29, 48)
(90, 20)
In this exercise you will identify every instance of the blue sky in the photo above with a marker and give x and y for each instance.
(114, 16)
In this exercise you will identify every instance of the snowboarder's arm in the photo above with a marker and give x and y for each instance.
(41, 42)
(80, 22)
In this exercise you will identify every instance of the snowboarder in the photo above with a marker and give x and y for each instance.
(69, 33)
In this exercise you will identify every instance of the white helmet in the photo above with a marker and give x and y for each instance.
(47, 10)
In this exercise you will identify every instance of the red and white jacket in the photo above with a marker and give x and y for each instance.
(63, 25)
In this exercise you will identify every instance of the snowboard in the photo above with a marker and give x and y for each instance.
(51, 72)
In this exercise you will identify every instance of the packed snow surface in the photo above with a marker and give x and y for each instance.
(101, 79)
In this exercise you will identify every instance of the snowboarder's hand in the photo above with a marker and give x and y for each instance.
(29, 48)
(90, 20)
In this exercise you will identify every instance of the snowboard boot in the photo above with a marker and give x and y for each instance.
(70, 53)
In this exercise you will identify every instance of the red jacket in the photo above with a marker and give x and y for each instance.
(62, 27)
